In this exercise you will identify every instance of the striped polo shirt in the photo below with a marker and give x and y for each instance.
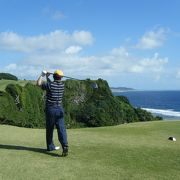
(54, 92)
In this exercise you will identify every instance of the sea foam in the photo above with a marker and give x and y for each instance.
(165, 112)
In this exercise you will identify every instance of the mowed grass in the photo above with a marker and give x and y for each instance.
(130, 151)
(4, 83)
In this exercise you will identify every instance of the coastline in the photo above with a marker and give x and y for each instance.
(163, 103)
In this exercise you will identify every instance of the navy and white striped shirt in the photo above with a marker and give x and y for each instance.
(54, 92)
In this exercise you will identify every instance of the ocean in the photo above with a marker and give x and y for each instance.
(162, 103)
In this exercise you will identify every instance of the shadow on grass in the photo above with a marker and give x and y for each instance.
(33, 149)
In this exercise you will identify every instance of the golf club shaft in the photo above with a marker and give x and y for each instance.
(67, 77)
(71, 78)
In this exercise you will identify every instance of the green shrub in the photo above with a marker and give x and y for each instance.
(144, 115)
(22, 106)
(84, 105)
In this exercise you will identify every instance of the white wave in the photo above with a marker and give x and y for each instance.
(167, 112)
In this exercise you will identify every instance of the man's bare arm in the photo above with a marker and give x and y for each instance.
(39, 81)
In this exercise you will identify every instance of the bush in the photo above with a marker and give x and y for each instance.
(84, 105)
(144, 115)
(22, 106)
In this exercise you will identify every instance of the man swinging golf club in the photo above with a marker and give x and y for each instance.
(54, 110)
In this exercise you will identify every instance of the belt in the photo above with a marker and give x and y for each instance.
(53, 104)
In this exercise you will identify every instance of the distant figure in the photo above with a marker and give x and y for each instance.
(54, 110)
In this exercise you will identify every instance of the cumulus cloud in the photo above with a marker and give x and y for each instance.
(11, 67)
(23, 70)
(120, 52)
(53, 14)
(83, 37)
(155, 62)
(57, 15)
(54, 41)
(60, 50)
(154, 67)
(114, 63)
(136, 69)
(152, 39)
(178, 74)
(73, 49)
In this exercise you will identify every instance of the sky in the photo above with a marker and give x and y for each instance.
(129, 43)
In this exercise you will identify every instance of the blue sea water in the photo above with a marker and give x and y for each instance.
(162, 103)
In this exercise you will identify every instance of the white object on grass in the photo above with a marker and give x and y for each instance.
(172, 138)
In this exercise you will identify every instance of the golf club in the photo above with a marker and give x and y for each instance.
(45, 72)
(93, 85)
(71, 78)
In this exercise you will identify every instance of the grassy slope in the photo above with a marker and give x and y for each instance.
(129, 151)
(4, 83)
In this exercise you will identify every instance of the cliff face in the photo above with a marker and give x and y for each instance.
(89, 106)
(86, 103)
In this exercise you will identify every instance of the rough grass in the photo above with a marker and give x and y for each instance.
(130, 151)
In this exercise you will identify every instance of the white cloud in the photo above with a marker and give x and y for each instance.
(152, 39)
(154, 67)
(114, 63)
(73, 49)
(178, 74)
(83, 37)
(57, 15)
(23, 71)
(10, 67)
(60, 50)
(54, 41)
(53, 14)
(155, 63)
(119, 52)
(137, 69)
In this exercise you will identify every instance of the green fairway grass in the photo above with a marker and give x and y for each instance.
(130, 151)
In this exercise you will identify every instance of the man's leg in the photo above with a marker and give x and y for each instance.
(61, 130)
(49, 129)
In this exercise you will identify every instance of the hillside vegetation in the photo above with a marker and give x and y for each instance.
(85, 106)
(8, 76)
(135, 151)
(4, 83)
